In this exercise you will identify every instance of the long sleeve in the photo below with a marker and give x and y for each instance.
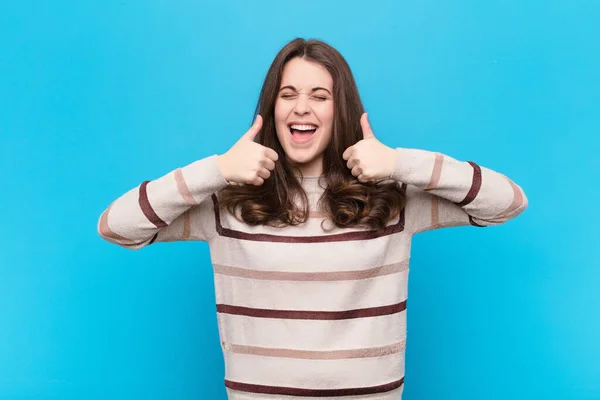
(176, 206)
(444, 192)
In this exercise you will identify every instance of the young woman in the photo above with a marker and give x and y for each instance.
(309, 219)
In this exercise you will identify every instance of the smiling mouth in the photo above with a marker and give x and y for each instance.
(302, 132)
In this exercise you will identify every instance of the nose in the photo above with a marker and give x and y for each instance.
(302, 107)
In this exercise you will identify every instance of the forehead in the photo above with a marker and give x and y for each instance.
(303, 74)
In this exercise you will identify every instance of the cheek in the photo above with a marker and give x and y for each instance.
(329, 115)
(280, 118)
(325, 114)
(281, 112)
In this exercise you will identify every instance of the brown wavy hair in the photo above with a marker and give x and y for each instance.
(347, 201)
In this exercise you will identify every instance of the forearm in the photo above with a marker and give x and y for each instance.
(136, 218)
(486, 196)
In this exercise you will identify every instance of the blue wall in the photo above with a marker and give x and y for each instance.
(97, 96)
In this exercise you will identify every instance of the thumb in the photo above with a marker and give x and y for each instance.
(254, 129)
(366, 127)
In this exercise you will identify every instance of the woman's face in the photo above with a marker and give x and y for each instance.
(304, 114)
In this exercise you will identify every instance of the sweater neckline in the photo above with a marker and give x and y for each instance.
(312, 183)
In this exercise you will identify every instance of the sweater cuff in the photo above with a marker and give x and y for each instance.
(204, 177)
(413, 166)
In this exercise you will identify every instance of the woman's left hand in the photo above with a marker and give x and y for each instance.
(369, 159)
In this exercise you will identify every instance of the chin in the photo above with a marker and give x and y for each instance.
(300, 161)
(306, 162)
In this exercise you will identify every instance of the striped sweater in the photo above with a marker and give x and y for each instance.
(311, 311)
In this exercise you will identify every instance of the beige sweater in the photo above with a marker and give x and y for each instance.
(307, 312)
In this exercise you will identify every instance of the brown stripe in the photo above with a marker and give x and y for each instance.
(312, 315)
(318, 355)
(317, 214)
(311, 276)
(435, 210)
(105, 230)
(147, 208)
(289, 391)
(183, 189)
(186, 225)
(517, 201)
(437, 172)
(153, 238)
(475, 185)
(472, 222)
(340, 237)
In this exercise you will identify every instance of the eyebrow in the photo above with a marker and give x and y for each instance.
(313, 89)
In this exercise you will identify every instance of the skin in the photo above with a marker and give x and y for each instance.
(305, 97)
(370, 160)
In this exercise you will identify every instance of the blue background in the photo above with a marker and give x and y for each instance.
(97, 96)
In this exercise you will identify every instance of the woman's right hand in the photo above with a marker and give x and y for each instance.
(248, 162)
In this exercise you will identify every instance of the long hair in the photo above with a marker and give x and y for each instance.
(347, 201)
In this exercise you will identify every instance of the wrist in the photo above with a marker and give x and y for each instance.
(392, 157)
(223, 166)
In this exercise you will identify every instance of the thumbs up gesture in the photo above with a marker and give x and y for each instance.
(248, 162)
(369, 159)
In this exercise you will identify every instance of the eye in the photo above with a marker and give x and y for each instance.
(288, 96)
(320, 98)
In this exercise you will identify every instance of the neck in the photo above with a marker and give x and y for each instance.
(311, 169)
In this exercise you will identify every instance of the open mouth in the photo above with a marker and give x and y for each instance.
(302, 132)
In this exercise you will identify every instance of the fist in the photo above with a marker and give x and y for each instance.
(248, 162)
(369, 159)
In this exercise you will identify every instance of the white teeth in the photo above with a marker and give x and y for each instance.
(303, 127)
